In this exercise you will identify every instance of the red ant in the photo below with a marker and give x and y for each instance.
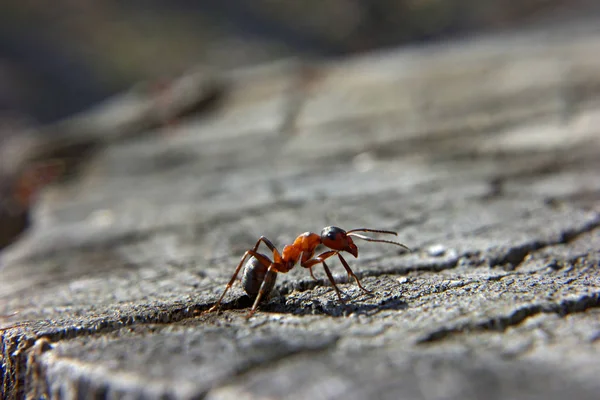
(260, 272)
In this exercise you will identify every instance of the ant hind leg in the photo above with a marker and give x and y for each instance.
(253, 253)
(263, 289)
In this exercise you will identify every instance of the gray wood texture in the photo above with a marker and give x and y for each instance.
(483, 155)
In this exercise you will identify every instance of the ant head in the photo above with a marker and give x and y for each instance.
(337, 239)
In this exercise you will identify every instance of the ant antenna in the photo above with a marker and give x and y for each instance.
(368, 239)
(372, 230)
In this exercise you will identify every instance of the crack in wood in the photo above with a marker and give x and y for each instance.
(18, 339)
(515, 256)
(516, 317)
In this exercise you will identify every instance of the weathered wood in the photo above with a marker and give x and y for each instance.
(28, 152)
(482, 155)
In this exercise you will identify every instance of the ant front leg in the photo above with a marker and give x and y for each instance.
(351, 274)
(337, 291)
(320, 259)
(253, 253)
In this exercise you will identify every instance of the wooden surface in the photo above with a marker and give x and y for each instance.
(483, 155)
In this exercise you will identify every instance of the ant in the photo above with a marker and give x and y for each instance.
(260, 271)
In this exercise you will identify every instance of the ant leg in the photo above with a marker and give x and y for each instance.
(321, 259)
(351, 274)
(253, 253)
(318, 259)
(312, 261)
(263, 288)
(270, 245)
(306, 257)
(337, 291)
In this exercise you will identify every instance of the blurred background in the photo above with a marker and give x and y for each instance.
(62, 58)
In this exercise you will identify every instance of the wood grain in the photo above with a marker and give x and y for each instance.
(483, 155)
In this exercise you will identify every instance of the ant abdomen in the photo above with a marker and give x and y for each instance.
(253, 277)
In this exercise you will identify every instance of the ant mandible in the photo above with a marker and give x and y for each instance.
(261, 272)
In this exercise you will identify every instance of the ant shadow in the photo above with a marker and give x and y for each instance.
(283, 303)
(332, 308)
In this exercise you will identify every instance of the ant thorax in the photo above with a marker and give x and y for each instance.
(304, 246)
